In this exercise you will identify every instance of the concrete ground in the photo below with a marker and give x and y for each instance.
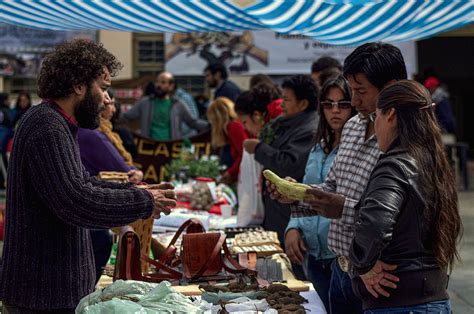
(461, 284)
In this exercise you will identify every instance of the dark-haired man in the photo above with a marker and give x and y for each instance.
(322, 67)
(48, 264)
(162, 114)
(216, 77)
(368, 69)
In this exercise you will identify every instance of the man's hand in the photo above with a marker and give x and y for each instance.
(377, 277)
(275, 195)
(250, 145)
(295, 247)
(327, 204)
(164, 198)
(135, 176)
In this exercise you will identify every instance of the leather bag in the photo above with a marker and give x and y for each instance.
(201, 257)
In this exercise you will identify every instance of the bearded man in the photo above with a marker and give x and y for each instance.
(162, 115)
(48, 264)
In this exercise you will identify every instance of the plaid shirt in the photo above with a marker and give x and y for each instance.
(348, 176)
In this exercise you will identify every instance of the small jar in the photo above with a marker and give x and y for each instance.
(201, 196)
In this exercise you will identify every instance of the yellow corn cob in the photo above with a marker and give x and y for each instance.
(291, 190)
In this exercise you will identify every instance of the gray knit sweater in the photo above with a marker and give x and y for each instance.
(51, 201)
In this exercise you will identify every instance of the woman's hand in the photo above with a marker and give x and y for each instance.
(377, 277)
(227, 179)
(275, 195)
(135, 176)
(250, 145)
(295, 247)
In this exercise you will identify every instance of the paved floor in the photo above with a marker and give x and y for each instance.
(461, 285)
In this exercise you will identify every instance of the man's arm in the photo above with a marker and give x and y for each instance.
(195, 123)
(59, 180)
(283, 161)
(135, 112)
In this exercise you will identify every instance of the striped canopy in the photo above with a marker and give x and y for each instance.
(334, 22)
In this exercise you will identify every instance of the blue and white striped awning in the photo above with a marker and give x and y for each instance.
(335, 22)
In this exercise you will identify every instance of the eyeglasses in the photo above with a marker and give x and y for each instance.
(343, 104)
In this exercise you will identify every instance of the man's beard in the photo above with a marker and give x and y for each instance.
(160, 93)
(87, 111)
(212, 83)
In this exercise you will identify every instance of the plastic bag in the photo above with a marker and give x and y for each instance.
(249, 190)
(138, 298)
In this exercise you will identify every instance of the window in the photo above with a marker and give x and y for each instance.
(192, 84)
(149, 54)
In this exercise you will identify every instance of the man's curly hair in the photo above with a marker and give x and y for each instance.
(71, 63)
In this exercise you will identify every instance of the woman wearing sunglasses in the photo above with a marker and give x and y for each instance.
(306, 237)
(408, 215)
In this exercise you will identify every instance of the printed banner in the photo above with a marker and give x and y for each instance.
(153, 155)
(23, 49)
(252, 52)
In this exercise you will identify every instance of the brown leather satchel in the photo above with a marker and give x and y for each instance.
(129, 260)
(200, 256)
(129, 256)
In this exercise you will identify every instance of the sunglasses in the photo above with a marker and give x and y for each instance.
(343, 104)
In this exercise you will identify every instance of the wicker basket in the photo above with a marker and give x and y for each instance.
(142, 227)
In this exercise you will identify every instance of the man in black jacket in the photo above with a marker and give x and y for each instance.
(285, 143)
(48, 265)
(216, 77)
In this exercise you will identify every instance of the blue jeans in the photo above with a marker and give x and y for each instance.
(341, 296)
(438, 307)
(318, 272)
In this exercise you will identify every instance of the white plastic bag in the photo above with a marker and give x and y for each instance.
(249, 190)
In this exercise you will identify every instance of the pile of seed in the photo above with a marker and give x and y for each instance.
(279, 297)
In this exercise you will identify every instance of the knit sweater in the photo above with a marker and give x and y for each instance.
(51, 201)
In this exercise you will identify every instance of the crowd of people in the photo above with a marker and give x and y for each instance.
(377, 232)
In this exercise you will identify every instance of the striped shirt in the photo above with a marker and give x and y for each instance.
(348, 177)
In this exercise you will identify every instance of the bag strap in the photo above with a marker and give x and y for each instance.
(172, 274)
(238, 269)
(190, 222)
(169, 256)
(215, 253)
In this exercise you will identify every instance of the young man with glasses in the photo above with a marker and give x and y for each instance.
(368, 69)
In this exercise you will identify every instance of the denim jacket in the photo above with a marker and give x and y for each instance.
(314, 229)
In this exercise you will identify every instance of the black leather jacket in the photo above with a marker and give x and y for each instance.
(391, 227)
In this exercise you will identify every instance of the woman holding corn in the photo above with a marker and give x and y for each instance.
(306, 237)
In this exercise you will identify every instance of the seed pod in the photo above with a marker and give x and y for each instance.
(291, 190)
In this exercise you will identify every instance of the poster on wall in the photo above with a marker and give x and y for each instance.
(252, 52)
(23, 49)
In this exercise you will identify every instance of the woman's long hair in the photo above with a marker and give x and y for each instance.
(220, 113)
(420, 134)
(325, 134)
